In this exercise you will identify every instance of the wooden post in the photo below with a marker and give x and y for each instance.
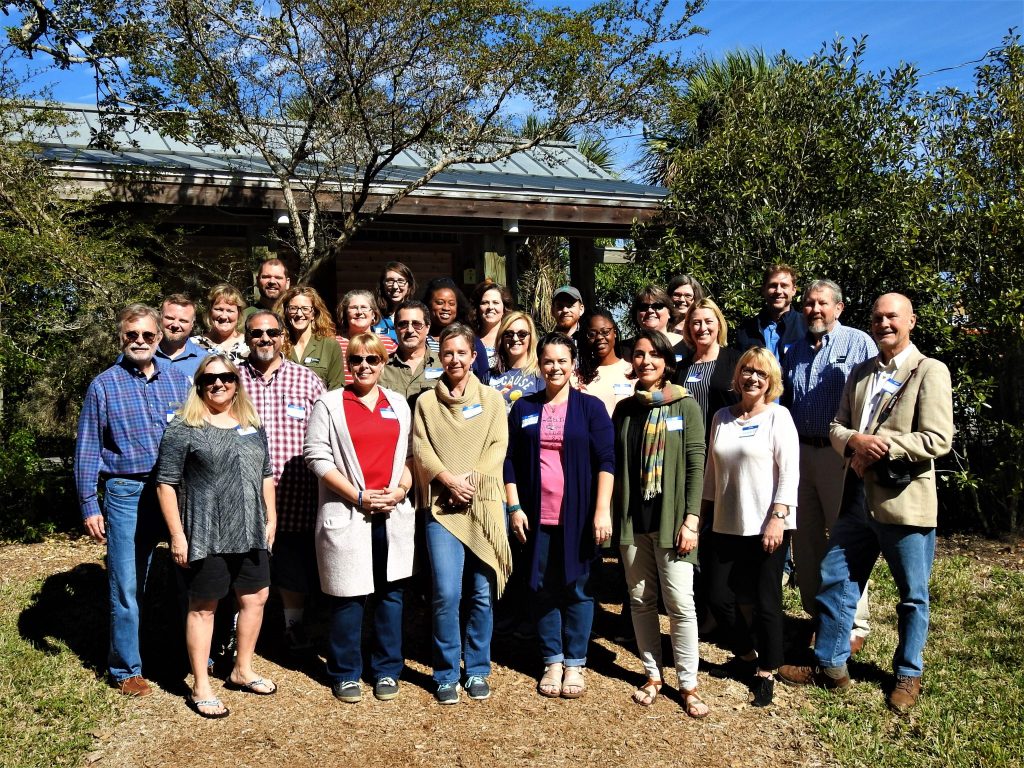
(581, 268)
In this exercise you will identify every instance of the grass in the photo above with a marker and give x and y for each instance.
(972, 710)
(50, 704)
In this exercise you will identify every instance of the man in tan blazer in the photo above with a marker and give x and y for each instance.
(895, 418)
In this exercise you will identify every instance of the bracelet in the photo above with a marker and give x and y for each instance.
(691, 530)
(514, 508)
(359, 502)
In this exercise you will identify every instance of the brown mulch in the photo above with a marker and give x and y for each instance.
(303, 725)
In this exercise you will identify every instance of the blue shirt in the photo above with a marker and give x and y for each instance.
(815, 378)
(386, 327)
(187, 360)
(123, 418)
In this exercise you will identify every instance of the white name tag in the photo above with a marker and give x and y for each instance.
(693, 378)
(469, 411)
(529, 421)
(675, 423)
(433, 373)
(245, 430)
(388, 413)
(296, 411)
(308, 360)
(749, 431)
(622, 388)
(679, 358)
(891, 386)
(170, 416)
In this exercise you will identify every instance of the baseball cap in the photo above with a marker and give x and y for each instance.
(568, 289)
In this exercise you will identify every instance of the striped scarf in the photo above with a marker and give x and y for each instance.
(654, 434)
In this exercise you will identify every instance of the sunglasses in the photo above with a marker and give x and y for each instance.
(656, 306)
(209, 379)
(372, 360)
(515, 335)
(257, 333)
(147, 336)
(416, 325)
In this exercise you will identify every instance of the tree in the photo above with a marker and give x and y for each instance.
(336, 96)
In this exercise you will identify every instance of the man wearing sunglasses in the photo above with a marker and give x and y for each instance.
(283, 393)
(126, 409)
(412, 368)
(776, 326)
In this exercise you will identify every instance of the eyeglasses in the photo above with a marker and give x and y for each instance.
(147, 336)
(604, 333)
(299, 310)
(257, 333)
(656, 306)
(510, 335)
(372, 360)
(753, 373)
(395, 282)
(209, 379)
(416, 325)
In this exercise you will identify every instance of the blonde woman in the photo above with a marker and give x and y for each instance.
(310, 340)
(224, 321)
(215, 486)
(517, 373)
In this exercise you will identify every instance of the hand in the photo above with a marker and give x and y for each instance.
(519, 525)
(461, 488)
(384, 500)
(860, 464)
(602, 526)
(772, 536)
(686, 540)
(96, 528)
(179, 549)
(271, 534)
(871, 447)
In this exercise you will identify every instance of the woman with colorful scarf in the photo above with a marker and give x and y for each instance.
(656, 507)
(559, 473)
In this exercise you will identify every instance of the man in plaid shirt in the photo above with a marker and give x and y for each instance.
(283, 393)
(126, 409)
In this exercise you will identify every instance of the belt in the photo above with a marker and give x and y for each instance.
(817, 442)
(140, 476)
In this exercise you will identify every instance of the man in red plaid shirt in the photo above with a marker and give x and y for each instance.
(283, 393)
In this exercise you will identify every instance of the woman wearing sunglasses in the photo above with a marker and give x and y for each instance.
(215, 485)
(357, 444)
(653, 310)
(310, 340)
(224, 321)
(516, 373)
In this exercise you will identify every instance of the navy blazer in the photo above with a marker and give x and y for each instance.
(792, 328)
(588, 447)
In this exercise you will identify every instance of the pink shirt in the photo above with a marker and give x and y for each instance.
(552, 476)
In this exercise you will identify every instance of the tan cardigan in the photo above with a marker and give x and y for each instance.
(443, 438)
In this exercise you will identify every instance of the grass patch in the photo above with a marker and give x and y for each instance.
(972, 710)
(50, 703)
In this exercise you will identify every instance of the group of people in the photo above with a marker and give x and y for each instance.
(453, 426)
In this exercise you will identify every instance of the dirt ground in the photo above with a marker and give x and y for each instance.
(304, 725)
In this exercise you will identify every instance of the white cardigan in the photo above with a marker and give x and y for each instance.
(344, 548)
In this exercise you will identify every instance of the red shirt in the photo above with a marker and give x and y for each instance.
(374, 435)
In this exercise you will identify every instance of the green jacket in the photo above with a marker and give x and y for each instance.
(323, 357)
(683, 476)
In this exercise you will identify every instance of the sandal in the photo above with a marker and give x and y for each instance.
(550, 684)
(647, 693)
(196, 705)
(259, 687)
(693, 703)
(572, 683)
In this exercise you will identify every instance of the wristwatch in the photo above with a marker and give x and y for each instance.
(780, 515)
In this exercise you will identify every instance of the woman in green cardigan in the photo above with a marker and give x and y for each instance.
(656, 507)
(310, 340)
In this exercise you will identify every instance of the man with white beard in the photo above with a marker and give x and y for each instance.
(283, 393)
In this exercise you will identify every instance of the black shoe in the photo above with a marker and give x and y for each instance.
(734, 669)
(764, 691)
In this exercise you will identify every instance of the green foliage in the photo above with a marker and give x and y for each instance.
(33, 490)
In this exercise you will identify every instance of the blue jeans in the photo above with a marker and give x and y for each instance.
(344, 652)
(134, 526)
(459, 574)
(855, 543)
(564, 613)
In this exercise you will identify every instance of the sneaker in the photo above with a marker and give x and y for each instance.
(447, 693)
(296, 639)
(348, 691)
(477, 688)
(386, 689)
(764, 691)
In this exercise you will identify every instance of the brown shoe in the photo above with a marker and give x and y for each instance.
(904, 695)
(135, 686)
(857, 643)
(794, 675)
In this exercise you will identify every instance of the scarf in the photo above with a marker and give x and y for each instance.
(654, 434)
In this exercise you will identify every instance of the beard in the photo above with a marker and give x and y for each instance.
(139, 357)
(265, 354)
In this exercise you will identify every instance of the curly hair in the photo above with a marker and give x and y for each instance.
(323, 325)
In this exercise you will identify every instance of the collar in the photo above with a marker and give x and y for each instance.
(428, 360)
(191, 349)
(135, 371)
(894, 365)
(763, 320)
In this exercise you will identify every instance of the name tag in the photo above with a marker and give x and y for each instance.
(529, 421)
(309, 360)
(693, 378)
(245, 430)
(785, 349)
(433, 373)
(675, 423)
(891, 386)
(841, 360)
(623, 388)
(749, 431)
(469, 411)
(679, 358)
(388, 413)
(296, 411)
(170, 416)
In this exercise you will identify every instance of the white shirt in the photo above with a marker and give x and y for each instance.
(883, 381)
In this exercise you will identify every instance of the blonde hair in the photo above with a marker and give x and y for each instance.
(767, 362)
(531, 367)
(194, 411)
(723, 327)
(367, 343)
(232, 295)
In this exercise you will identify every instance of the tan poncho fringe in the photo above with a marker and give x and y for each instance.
(444, 439)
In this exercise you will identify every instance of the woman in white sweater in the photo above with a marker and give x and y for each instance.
(750, 483)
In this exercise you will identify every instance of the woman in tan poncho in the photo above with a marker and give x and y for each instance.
(459, 438)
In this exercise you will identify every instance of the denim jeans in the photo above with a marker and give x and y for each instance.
(134, 526)
(564, 613)
(646, 566)
(344, 652)
(856, 542)
(459, 575)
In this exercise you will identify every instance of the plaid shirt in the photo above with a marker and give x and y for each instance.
(284, 402)
(123, 418)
